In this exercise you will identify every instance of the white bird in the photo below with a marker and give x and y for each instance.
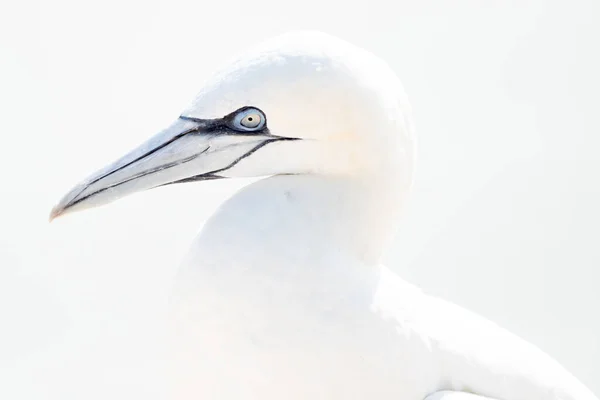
(282, 295)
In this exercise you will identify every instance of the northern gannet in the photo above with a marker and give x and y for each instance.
(282, 295)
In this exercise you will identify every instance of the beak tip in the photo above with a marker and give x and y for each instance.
(55, 213)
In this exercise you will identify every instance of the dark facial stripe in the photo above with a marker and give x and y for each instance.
(226, 125)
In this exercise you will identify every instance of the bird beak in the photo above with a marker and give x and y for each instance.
(188, 150)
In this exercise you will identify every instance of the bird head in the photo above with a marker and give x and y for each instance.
(301, 103)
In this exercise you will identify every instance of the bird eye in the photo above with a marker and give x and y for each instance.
(250, 119)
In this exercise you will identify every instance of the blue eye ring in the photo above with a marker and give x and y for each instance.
(249, 119)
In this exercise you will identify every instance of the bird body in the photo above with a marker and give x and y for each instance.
(289, 314)
(282, 295)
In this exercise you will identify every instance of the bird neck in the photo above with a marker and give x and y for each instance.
(304, 219)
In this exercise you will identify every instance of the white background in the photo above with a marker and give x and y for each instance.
(504, 218)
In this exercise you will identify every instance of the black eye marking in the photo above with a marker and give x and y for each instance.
(247, 119)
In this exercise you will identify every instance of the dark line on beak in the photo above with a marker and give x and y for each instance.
(141, 174)
(213, 174)
(194, 119)
(195, 178)
(249, 153)
(148, 153)
(205, 176)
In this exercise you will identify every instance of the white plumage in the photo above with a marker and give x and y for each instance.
(282, 295)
